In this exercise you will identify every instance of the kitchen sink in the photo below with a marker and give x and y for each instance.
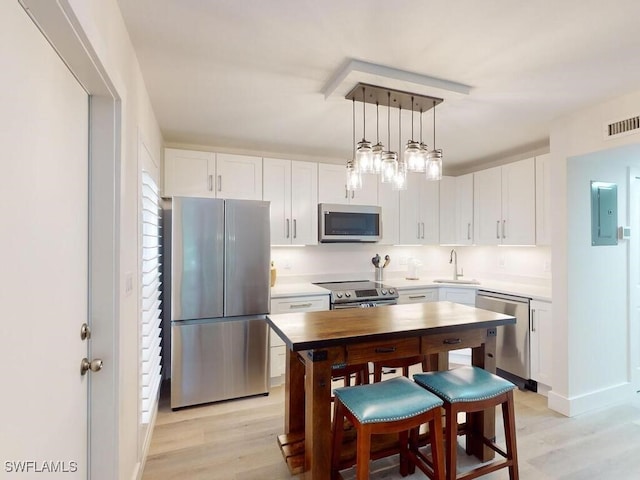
(472, 281)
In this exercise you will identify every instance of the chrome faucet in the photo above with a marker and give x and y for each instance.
(453, 258)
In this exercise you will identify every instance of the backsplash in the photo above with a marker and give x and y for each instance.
(348, 261)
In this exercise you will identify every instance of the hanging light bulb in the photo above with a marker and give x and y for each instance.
(364, 152)
(400, 179)
(378, 148)
(389, 164)
(434, 157)
(412, 154)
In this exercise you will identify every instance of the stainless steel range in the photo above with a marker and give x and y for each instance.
(359, 294)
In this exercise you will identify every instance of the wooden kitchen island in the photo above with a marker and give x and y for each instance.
(318, 340)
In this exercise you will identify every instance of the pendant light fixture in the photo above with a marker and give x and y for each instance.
(364, 152)
(434, 157)
(389, 164)
(424, 149)
(400, 180)
(412, 155)
(354, 179)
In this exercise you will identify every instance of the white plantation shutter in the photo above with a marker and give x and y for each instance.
(150, 309)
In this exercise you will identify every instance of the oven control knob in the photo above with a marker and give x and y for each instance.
(339, 295)
(391, 291)
(383, 291)
(347, 294)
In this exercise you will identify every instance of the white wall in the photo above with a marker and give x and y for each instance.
(346, 261)
(590, 285)
(104, 27)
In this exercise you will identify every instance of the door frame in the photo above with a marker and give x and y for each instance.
(61, 27)
(633, 220)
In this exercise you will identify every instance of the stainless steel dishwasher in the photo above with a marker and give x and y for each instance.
(512, 350)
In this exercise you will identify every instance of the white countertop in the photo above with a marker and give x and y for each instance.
(530, 290)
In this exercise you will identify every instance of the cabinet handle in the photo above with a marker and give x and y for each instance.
(504, 223)
(422, 230)
(219, 183)
(210, 183)
(287, 228)
(346, 192)
(300, 305)
(469, 231)
(413, 297)
(498, 229)
(295, 228)
(353, 194)
(533, 324)
(385, 349)
(452, 341)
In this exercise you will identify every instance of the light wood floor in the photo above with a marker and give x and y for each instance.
(236, 440)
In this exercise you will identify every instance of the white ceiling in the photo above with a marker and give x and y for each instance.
(250, 74)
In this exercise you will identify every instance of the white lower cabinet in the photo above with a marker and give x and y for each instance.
(278, 351)
(465, 296)
(541, 331)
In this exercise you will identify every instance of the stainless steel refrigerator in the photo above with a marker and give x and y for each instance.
(217, 277)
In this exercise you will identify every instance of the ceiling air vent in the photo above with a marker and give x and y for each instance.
(623, 127)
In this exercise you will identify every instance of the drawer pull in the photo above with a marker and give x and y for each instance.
(300, 305)
(452, 341)
(413, 297)
(385, 349)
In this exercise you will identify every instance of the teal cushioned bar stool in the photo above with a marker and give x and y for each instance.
(397, 405)
(472, 389)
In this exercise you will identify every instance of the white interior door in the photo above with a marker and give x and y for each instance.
(634, 276)
(44, 253)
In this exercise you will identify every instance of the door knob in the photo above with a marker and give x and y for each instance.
(93, 365)
(85, 332)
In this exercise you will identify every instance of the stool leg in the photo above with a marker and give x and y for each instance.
(338, 433)
(404, 443)
(509, 421)
(451, 447)
(363, 452)
(437, 446)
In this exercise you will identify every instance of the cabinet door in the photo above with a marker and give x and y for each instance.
(389, 201)
(368, 194)
(487, 206)
(430, 212)
(238, 176)
(277, 190)
(448, 216)
(464, 209)
(466, 296)
(304, 203)
(411, 228)
(332, 184)
(541, 342)
(188, 173)
(543, 199)
(519, 203)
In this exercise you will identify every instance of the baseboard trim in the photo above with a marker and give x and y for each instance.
(579, 404)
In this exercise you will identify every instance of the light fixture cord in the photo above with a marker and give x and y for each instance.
(412, 118)
(364, 118)
(353, 117)
(434, 124)
(389, 120)
(421, 126)
(377, 124)
(399, 129)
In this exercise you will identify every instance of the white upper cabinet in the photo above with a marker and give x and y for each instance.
(419, 211)
(464, 209)
(238, 176)
(389, 201)
(206, 174)
(292, 189)
(543, 199)
(456, 210)
(189, 173)
(332, 187)
(504, 204)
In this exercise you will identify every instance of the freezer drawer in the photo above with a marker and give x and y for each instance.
(218, 360)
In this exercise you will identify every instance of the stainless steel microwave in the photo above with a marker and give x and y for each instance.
(349, 223)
